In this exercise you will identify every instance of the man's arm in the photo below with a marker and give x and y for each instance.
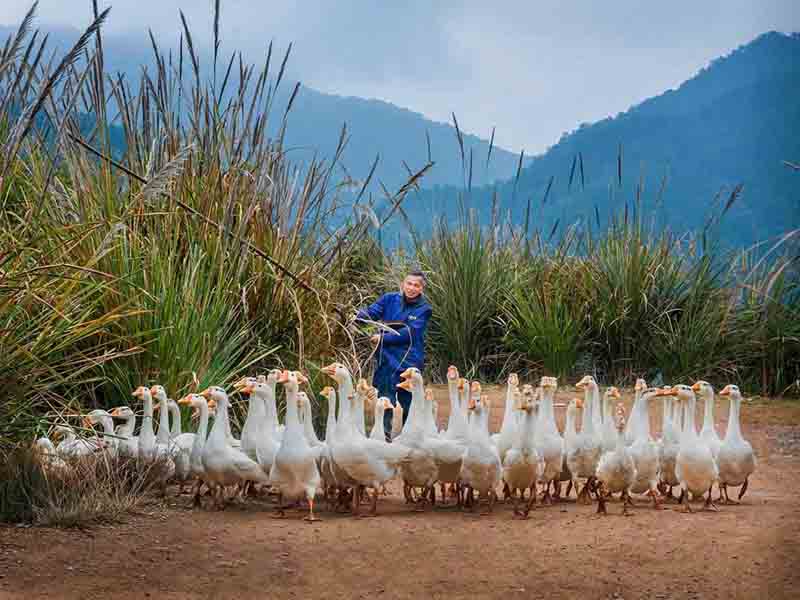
(414, 327)
(374, 311)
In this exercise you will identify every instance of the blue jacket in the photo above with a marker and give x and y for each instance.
(407, 347)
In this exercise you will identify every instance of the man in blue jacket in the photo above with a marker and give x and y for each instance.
(407, 313)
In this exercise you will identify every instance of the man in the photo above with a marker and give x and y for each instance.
(407, 313)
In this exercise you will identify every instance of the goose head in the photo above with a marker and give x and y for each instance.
(193, 400)
(452, 375)
(462, 384)
(548, 383)
(411, 377)
(216, 396)
(122, 412)
(244, 383)
(732, 391)
(142, 392)
(158, 391)
(640, 385)
(96, 416)
(611, 394)
(338, 372)
(513, 380)
(703, 389)
(587, 382)
(329, 393)
(63, 431)
(292, 380)
(475, 391)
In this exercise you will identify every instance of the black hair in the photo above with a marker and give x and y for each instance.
(417, 273)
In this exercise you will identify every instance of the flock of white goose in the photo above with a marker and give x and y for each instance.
(608, 454)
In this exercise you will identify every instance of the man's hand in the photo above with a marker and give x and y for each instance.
(375, 339)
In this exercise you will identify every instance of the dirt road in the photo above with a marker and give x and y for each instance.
(562, 551)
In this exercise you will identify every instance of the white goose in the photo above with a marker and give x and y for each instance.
(481, 468)
(378, 431)
(631, 433)
(109, 439)
(694, 466)
(308, 420)
(127, 444)
(294, 471)
(49, 456)
(197, 470)
(507, 435)
(456, 421)
(254, 422)
(367, 461)
(421, 470)
(182, 444)
(447, 454)
(668, 445)
(709, 432)
(522, 466)
(645, 451)
(147, 437)
(736, 459)
(225, 465)
(549, 443)
(583, 454)
(616, 471)
(609, 435)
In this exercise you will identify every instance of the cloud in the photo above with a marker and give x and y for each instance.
(534, 70)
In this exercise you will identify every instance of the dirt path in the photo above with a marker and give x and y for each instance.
(563, 551)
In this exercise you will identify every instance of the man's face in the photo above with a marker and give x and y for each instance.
(413, 286)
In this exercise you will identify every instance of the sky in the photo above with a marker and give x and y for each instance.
(533, 70)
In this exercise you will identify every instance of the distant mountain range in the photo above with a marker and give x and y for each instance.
(682, 153)
(375, 128)
(720, 139)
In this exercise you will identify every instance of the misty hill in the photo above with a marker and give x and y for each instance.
(734, 122)
(375, 127)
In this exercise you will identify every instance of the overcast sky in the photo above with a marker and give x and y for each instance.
(533, 69)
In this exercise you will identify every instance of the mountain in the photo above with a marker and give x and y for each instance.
(683, 153)
(375, 128)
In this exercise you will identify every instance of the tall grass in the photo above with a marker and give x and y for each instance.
(194, 252)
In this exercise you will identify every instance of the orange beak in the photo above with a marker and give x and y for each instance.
(206, 393)
(138, 392)
(696, 386)
(114, 412)
(329, 370)
(284, 376)
(153, 390)
(726, 391)
(301, 378)
(665, 392)
(404, 385)
(579, 403)
(405, 374)
(186, 399)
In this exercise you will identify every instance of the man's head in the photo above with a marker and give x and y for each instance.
(413, 284)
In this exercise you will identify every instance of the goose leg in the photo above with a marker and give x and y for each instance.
(311, 518)
(601, 500)
(516, 496)
(626, 502)
(355, 502)
(685, 496)
(709, 505)
(531, 501)
(374, 511)
(279, 514)
(546, 497)
(506, 492)
(569, 489)
(743, 488)
(654, 495)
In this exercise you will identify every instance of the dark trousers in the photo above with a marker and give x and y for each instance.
(387, 386)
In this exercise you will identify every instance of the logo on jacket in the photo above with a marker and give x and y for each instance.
(411, 317)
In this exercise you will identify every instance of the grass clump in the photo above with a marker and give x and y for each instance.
(72, 492)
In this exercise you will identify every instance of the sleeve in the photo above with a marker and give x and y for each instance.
(374, 311)
(416, 327)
